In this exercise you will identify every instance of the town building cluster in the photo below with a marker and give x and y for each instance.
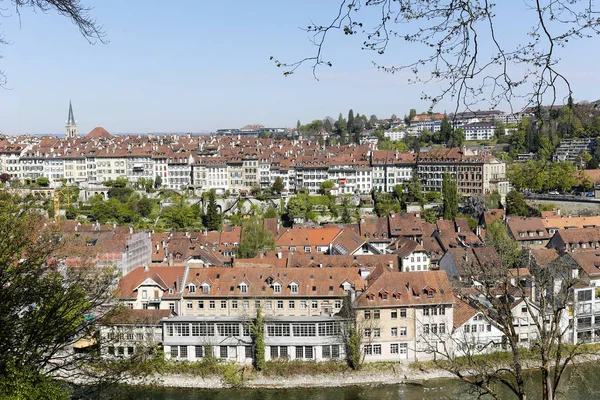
(238, 163)
(403, 283)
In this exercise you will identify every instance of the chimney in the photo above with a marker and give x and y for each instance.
(279, 255)
(391, 265)
(146, 268)
(131, 229)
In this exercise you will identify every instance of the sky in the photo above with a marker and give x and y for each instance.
(198, 66)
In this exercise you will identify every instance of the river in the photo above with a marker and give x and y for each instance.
(580, 382)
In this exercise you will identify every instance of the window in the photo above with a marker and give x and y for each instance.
(368, 349)
(129, 336)
(144, 294)
(376, 314)
(377, 349)
(303, 305)
(211, 304)
(257, 304)
(304, 330)
(172, 307)
(279, 304)
(243, 288)
(246, 304)
(314, 305)
(205, 289)
(248, 351)
(402, 331)
(367, 314)
(276, 330)
(307, 249)
(338, 304)
(394, 332)
(174, 351)
(223, 351)
(268, 304)
(442, 328)
(291, 304)
(394, 348)
(200, 304)
(434, 329)
(183, 351)
(293, 288)
(426, 329)
(189, 305)
(332, 351)
(276, 288)
(426, 311)
(223, 303)
(199, 351)
(403, 313)
(192, 288)
(234, 304)
(394, 314)
(367, 332)
(376, 332)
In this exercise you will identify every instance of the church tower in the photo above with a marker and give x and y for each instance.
(71, 127)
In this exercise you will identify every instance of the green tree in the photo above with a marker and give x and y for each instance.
(445, 130)
(515, 204)
(144, 207)
(158, 182)
(450, 198)
(44, 310)
(271, 213)
(297, 206)
(350, 125)
(346, 216)
(42, 181)
(213, 216)
(255, 239)
(414, 193)
(433, 197)
(497, 236)
(457, 137)
(341, 126)
(325, 186)
(278, 185)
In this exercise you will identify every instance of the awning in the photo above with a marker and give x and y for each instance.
(84, 343)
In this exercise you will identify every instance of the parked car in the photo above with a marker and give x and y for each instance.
(553, 193)
(590, 194)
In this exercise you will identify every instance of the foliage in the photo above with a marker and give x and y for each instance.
(516, 205)
(346, 217)
(4, 177)
(258, 338)
(212, 219)
(324, 186)
(122, 194)
(44, 309)
(450, 197)
(493, 201)
(158, 182)
(497, 236)
(42, 181)
(542, 176)
(385, 203)
(255, 238)
(278, 185)
(433, 197)
(413, 192)
(28, 384)
(271, 213)
(430, 215)
(297, 206)
(292, 368)
(181, 215)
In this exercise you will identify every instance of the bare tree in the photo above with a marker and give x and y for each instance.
(463, 47)
(529, 304)
(74, 10)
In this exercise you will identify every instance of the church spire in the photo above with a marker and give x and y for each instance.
(71, 119)
(71, 127)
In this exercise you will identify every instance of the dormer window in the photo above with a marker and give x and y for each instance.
(205, 288)
(243, 287)
(192, 288)
(276, 288)
(293, 287)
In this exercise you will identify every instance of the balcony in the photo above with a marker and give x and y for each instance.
(153, 300)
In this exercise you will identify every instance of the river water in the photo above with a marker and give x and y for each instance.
(580, 382)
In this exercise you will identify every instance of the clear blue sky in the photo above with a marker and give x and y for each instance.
(179, 66)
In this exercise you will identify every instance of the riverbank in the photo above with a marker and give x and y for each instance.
(373, 375)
